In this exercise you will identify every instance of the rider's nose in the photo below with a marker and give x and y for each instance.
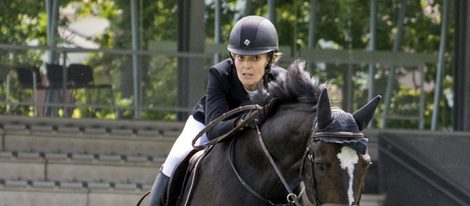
(247, 65)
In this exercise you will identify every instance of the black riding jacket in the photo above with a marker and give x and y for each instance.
(224, 93)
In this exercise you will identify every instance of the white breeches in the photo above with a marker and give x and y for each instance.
(183, 145)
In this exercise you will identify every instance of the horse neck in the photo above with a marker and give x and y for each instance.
(287, 133)
(286, 142)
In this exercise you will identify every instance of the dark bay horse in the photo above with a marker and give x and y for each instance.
(301, 141)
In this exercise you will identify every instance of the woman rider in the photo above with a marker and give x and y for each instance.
(254, 49)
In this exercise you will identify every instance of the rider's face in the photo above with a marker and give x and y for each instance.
(250, 69)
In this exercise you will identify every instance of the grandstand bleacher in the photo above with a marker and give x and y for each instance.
(56, 161)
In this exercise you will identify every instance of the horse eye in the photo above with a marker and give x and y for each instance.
(321, 167)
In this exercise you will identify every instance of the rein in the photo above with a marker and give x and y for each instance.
(251, 117)
(292, 198)
(257, 109)
(141, 199)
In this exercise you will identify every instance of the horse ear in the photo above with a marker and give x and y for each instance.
(323, 110)
(365, 114)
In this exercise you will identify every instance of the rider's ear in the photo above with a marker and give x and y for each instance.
(323, 110)
(365, 114)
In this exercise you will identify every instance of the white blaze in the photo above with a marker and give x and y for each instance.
(348, 158)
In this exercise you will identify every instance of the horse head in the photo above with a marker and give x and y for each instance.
(337, 160)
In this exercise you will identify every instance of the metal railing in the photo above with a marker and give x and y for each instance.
(343, 58)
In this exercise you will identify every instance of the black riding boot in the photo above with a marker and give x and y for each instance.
(159, 188)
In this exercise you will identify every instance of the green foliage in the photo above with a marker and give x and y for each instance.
(160, 89)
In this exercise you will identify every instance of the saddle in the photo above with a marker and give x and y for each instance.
(182, 177)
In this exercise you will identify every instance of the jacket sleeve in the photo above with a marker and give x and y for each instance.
(218, 90)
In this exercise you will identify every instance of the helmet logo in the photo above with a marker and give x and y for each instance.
(246, 42)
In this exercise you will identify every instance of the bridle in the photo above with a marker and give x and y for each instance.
(292, 198)
(307, 167)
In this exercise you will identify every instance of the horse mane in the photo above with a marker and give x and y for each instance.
(296, 86)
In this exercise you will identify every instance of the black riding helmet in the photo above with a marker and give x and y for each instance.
(253, 35)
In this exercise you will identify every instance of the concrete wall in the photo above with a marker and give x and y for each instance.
(424, 168)
(76, 197)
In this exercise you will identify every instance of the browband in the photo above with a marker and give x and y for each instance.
(339, 134)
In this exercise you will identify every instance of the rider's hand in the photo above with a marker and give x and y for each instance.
(244, 119)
